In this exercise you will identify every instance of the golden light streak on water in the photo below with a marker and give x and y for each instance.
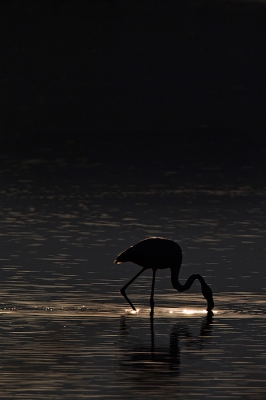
(193, 311)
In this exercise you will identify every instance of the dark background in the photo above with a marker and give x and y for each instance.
(134, 80)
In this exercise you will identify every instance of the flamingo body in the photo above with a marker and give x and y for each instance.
(154, 253)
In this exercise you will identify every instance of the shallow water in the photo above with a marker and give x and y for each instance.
(104, 351)
(66, 330)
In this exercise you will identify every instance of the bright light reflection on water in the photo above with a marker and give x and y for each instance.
(128, 311)
(190, 312)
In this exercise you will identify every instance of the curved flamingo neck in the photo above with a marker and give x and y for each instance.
(175, 280)
(205, 289)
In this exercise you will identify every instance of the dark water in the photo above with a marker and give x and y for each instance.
(66, 332)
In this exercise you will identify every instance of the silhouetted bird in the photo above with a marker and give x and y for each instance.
(160, 253)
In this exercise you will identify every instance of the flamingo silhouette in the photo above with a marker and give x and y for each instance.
(160, 253)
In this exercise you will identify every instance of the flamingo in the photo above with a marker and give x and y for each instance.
(161, 253)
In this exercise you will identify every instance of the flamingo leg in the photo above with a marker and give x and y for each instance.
(123, 290)
(152, 292)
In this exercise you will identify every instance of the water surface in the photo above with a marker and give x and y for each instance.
(66, 330)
